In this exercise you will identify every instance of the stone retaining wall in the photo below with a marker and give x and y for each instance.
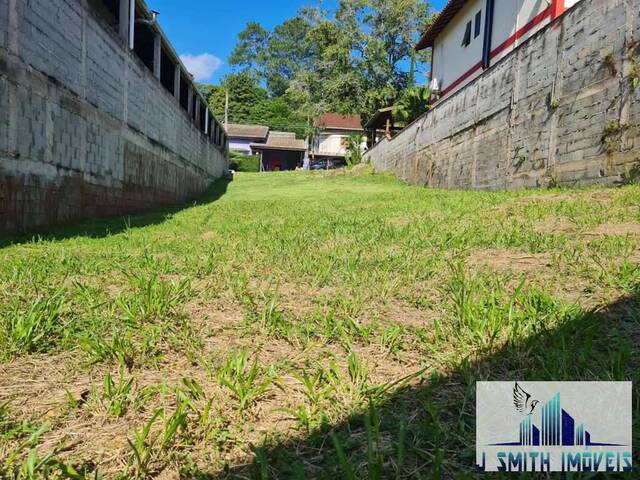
(86, 129)
(562, 109)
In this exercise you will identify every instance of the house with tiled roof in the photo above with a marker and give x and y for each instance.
(331, 134)
(242, 136)
(469, 36)
(282, 151)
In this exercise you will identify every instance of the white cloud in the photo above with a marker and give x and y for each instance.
(202, 66)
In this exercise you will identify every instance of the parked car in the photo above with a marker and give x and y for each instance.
(325, 165)
(320, 165)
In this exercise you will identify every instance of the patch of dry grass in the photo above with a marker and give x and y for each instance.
(256, 335)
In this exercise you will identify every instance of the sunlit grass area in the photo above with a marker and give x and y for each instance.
(296, 325)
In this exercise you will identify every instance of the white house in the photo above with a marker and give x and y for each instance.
(332, 131)
(471, 35)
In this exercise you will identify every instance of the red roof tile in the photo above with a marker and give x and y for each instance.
(338, 121)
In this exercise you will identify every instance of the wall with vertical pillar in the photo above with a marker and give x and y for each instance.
(86, 128)
(562, 109)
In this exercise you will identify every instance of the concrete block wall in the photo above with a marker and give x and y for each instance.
(4, 20)
(86, 130)
(561, 109)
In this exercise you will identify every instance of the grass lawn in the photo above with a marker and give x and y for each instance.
(300, 325)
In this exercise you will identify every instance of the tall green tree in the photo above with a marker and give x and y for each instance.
(385, 33)
(278, 114)
(244, 93)
(274, 56)
(355, 61)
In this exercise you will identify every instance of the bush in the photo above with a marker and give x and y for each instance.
(632, 175)
(244, 163)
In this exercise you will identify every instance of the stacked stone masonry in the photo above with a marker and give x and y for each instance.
(86, 130)
(562, 109)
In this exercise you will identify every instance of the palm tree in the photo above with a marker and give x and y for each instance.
(413, 103)
(354, 149)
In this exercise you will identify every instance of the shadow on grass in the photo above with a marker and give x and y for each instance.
(104, 227)
(428, 430)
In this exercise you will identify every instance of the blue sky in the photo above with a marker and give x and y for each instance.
(205, 31)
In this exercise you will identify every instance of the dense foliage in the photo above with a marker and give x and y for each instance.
(353, 60)
(249, 102)
(244, 163)
(411, 104)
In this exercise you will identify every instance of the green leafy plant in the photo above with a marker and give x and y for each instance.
(154, 299)
(391, 338)
(244, 163)
(34, 465)
(412, 103)
(245, 380)
(355, 151)
(632, 175)
(318, 389)
(118, 396)
(142, 448)
(612, 136)
(119, 347)
(35, 328)
(345, 464)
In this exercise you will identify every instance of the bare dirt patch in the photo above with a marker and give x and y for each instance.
(35, 386)
(555, 225)
(409, 316)
(605, 197)
(503, 260)
(611, 229)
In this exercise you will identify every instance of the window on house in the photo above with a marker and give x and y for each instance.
(184, 93)
(478, 24)
(467, 36)
(143, 41)
(203, 117)
(167, 71)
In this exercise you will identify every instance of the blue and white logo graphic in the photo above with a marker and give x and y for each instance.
(554, 426)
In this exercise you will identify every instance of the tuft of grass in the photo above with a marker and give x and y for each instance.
(118, 396)
(246, 381)
(153, 299)
(35, 327)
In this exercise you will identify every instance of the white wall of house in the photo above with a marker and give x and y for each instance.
(450, 59)
(334, 142)
(455, 65)
(511, 16)
(241, 145)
